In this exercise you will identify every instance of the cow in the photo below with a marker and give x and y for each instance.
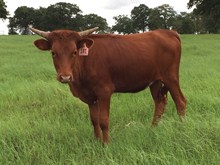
(97, 65)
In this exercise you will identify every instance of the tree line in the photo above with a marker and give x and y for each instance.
(203, 19)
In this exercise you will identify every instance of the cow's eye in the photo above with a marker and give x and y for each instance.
(53, 54)
(74, 53)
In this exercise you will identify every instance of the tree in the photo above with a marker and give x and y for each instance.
(210, 24)
(123, 25)
(162, 17)
(140, 17)
(210, 11)
(167, 14)
(12, 26)
(62, 16)
(3, 12)
(184, 23)
(199, 23)
(205, 7)
(39, 18)
(93, 20)
(23, 17)
(155, 19)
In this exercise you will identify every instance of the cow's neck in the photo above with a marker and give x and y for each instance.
(79, 86)
(79, 70)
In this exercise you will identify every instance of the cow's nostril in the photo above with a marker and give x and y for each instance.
(65, 79)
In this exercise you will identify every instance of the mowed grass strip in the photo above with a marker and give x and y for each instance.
(42, 123)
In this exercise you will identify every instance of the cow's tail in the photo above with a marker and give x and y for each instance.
(177, 35)
(179, 47)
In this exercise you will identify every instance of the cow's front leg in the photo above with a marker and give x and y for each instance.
(104, 106)
(94, 116)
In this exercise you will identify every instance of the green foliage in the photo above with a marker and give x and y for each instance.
(143, 18)
(40, 18)
(140, 17)
(123, 25)
(167, 13)
(210, 10)
(23, 17)
(12, 26)
(62, 16)
(204, 18)
(93, 20)
(42, 123)
(155, 20)
(57, 16)
(184, 23)
(3, 11)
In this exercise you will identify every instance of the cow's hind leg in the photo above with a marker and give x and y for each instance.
(178, 97)
(159, 94)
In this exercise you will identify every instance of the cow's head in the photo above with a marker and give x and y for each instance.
(64, 46)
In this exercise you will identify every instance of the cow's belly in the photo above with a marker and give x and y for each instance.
(134, 77)
(132, 83)
(130, 87)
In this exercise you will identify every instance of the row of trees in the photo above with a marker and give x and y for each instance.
(162, 17)
(203, 19)
(58, 16)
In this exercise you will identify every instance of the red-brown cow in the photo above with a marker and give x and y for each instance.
(95, 66)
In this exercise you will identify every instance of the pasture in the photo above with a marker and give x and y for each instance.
(42, 123)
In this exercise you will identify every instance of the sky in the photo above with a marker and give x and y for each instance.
(104, 8)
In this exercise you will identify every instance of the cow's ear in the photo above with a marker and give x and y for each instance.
(42, 44)
(89, 42)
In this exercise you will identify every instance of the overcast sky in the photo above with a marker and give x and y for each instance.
(104, 8)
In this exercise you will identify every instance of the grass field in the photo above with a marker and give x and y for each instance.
(42, 124)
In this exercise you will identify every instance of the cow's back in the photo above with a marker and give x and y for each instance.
(133, 61)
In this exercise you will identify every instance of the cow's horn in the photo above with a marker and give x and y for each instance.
(87, 32)
(39, 32)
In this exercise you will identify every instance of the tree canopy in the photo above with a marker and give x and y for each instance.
(3, 11)
(203, 19)
(140, 17)
(209, 10)
(23, 17)
(61, 16)
(162, 17)
(123, 25)
(93, 20)
(57, 16)
(144, 18)
(184, 23)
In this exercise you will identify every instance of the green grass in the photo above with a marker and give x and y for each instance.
(41, 123)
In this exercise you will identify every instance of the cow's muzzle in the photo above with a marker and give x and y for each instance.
(65, 78)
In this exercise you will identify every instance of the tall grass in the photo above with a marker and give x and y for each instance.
(41, 123)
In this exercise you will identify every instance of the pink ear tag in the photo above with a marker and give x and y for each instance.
(84, 51)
